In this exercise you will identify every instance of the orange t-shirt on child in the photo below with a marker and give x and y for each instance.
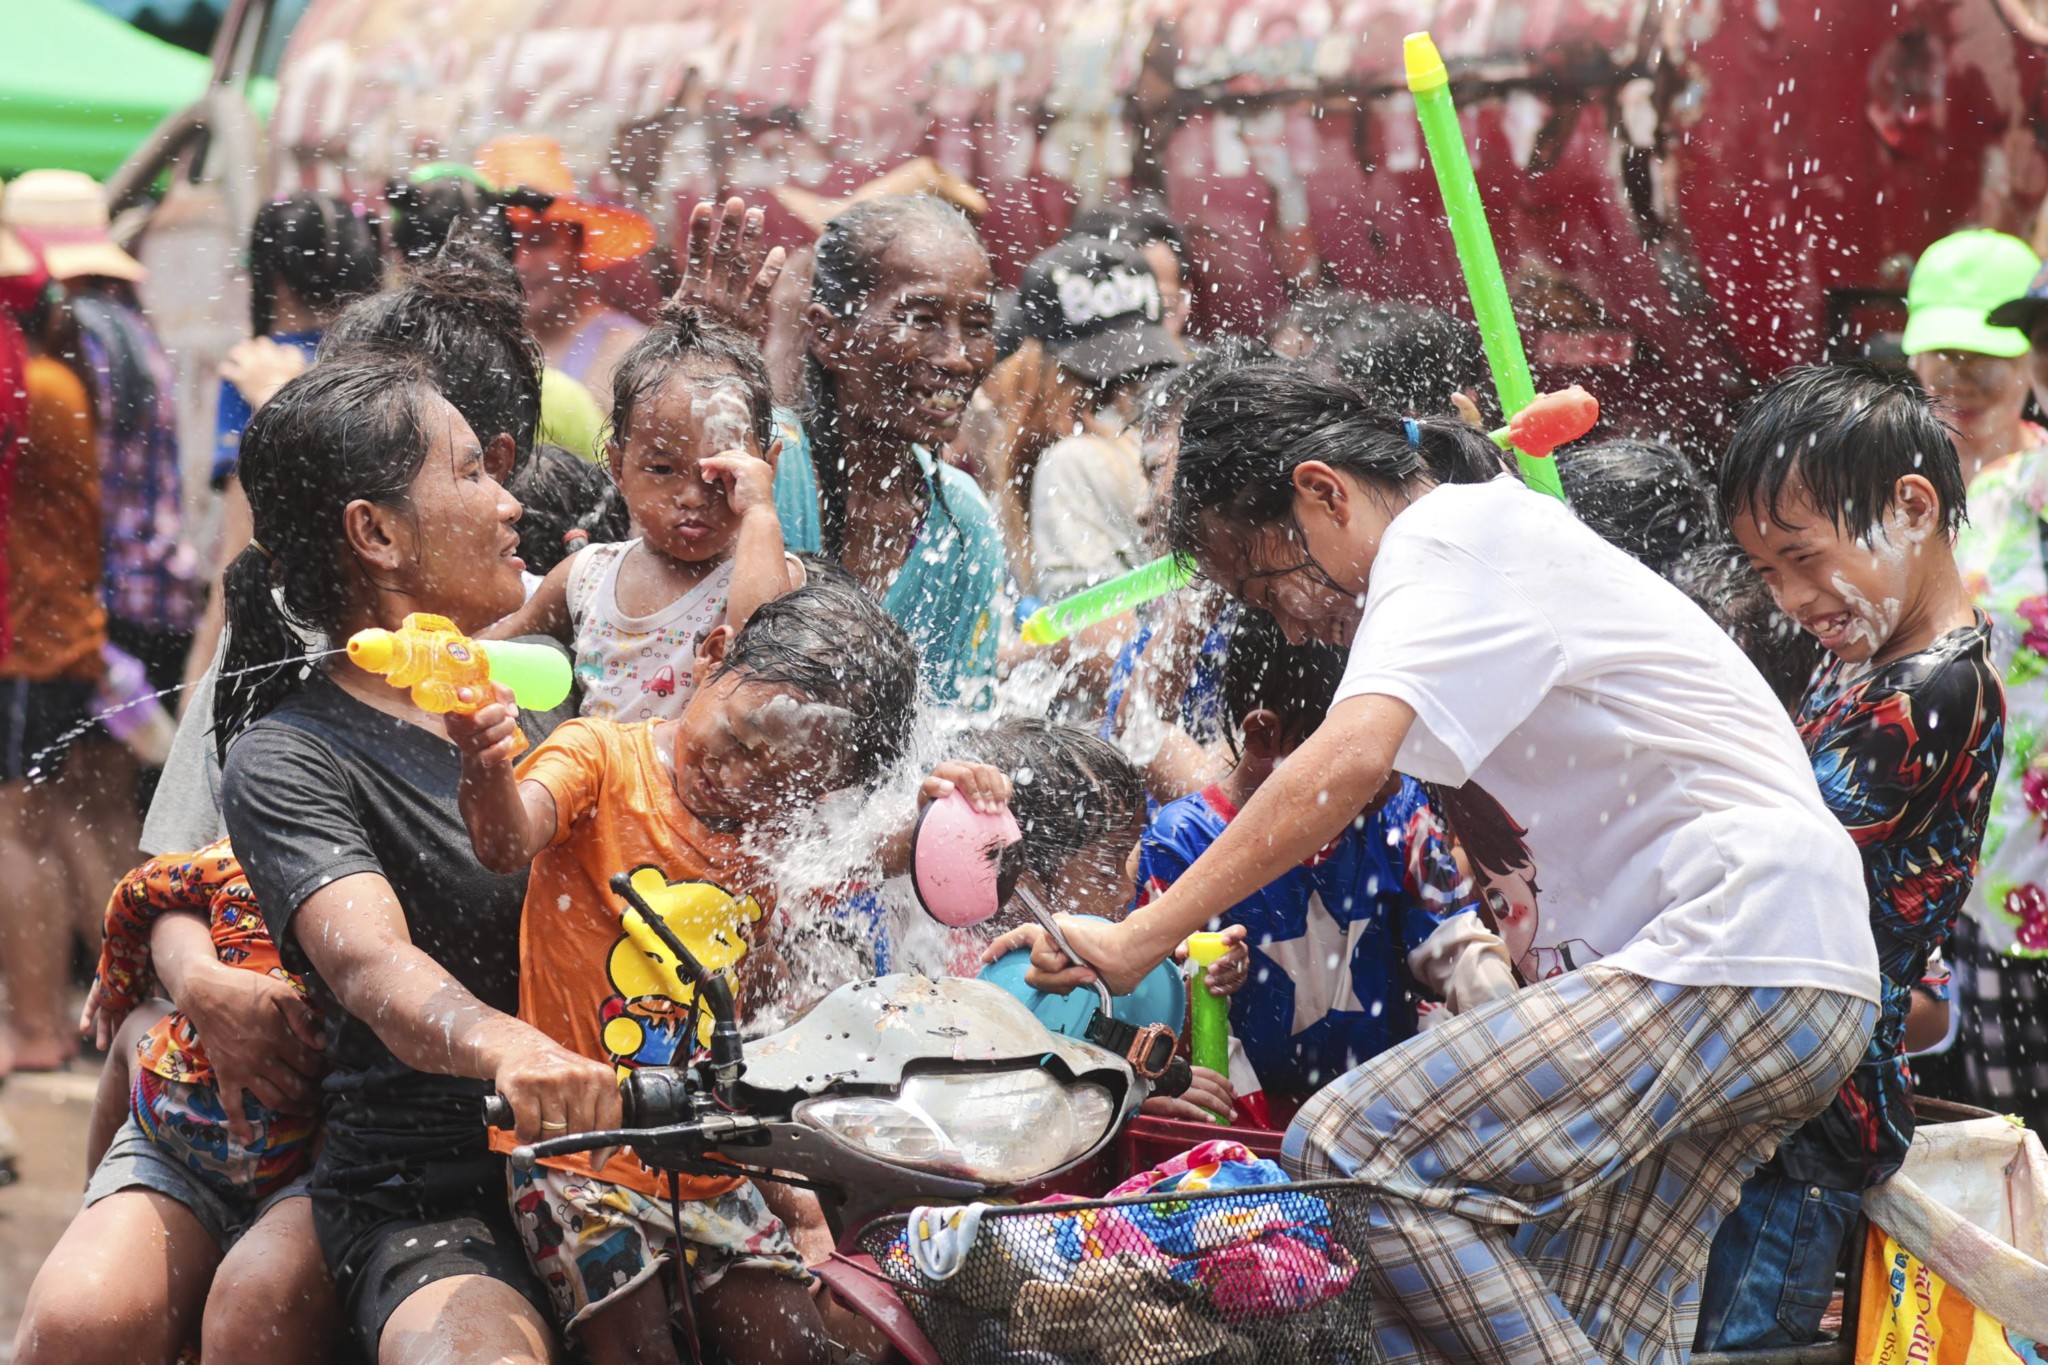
(584, 980)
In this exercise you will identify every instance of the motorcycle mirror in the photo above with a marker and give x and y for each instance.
(956, 857)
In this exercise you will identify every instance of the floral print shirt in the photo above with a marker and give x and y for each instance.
(2001, 552)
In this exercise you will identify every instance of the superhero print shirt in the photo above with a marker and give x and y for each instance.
(1906, 755)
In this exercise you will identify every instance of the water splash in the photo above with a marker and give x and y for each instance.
(37, 771)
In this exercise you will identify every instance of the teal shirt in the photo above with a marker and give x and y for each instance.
(945, 595)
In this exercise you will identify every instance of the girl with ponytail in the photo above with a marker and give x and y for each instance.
(899, 333)
(1691, 877)
(371, 499)
(310, 256)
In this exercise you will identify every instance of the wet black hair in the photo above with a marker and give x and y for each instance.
(1848, 433)
(346, 429)
(1131, 226)
(325, 249)
(428, 214)
(1163, 400)
(1317, 314)
(562, 494)
(1070, 790)
(461, 312)
(1263, 672)
(834, 643)
(846, 269)
(685, 337)
(1642, 497)
(1407, 356)
(1246, 429)
(1720, 579)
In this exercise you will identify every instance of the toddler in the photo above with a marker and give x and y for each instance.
(1332, 941)
(691, 421)
(181, 1138)
(814, 694)
(1844, 489)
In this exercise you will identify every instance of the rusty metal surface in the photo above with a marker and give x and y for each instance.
(867, 1032)
(1688, 194)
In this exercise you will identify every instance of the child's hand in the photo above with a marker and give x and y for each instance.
(260, 366)
(1227, 974)
(986, 789)
(748, 480)
(1207, 1099)
(489, 736)
(98, 1021)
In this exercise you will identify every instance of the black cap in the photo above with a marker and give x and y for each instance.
(2025, 312)
(1095, 304)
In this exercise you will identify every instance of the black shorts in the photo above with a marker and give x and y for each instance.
(38, 721)
(385, 1241)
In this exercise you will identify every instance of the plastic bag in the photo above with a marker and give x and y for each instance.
(1956, 1268)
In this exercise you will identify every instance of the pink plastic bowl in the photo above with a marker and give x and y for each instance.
(954, 860)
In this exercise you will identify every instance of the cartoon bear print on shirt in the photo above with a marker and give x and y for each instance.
(648, 1011)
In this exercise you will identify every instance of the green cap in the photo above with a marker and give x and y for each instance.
(1956, 282)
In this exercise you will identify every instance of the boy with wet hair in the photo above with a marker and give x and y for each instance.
(815, 694)
(1844, 489)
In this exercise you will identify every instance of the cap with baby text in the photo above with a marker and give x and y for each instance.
(1096, 305)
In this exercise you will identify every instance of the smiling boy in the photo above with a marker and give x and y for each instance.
(1844, 488)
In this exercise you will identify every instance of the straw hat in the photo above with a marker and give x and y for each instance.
(62, 216)
(612, 235)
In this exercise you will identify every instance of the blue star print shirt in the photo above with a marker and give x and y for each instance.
(1329, 985)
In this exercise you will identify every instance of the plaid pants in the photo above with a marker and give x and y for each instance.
(1555, 1164)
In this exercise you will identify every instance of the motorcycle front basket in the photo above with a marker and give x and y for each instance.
(1222, 1277)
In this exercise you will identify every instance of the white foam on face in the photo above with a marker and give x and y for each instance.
(1889, 546)
(722, 414)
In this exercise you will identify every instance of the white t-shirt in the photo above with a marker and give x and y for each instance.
(1638, 796)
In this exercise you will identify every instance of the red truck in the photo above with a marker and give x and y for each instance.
(1687, 194)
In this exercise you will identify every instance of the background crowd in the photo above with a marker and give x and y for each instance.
(905, 437)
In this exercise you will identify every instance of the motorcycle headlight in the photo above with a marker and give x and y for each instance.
(996, 1127)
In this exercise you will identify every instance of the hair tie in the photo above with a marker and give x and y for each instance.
(1414, 430)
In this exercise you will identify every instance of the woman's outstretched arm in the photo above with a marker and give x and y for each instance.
(1336, 773)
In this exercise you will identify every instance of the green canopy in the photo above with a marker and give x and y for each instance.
(80, 89)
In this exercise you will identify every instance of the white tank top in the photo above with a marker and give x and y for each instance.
(637, 667)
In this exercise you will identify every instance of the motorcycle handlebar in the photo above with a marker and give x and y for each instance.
(498, 1112)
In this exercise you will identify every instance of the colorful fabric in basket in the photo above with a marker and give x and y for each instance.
(1273, 1253)
(1263, 1254)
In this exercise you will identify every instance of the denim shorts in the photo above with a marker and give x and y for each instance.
(1771, 1275)
(134, 1162)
